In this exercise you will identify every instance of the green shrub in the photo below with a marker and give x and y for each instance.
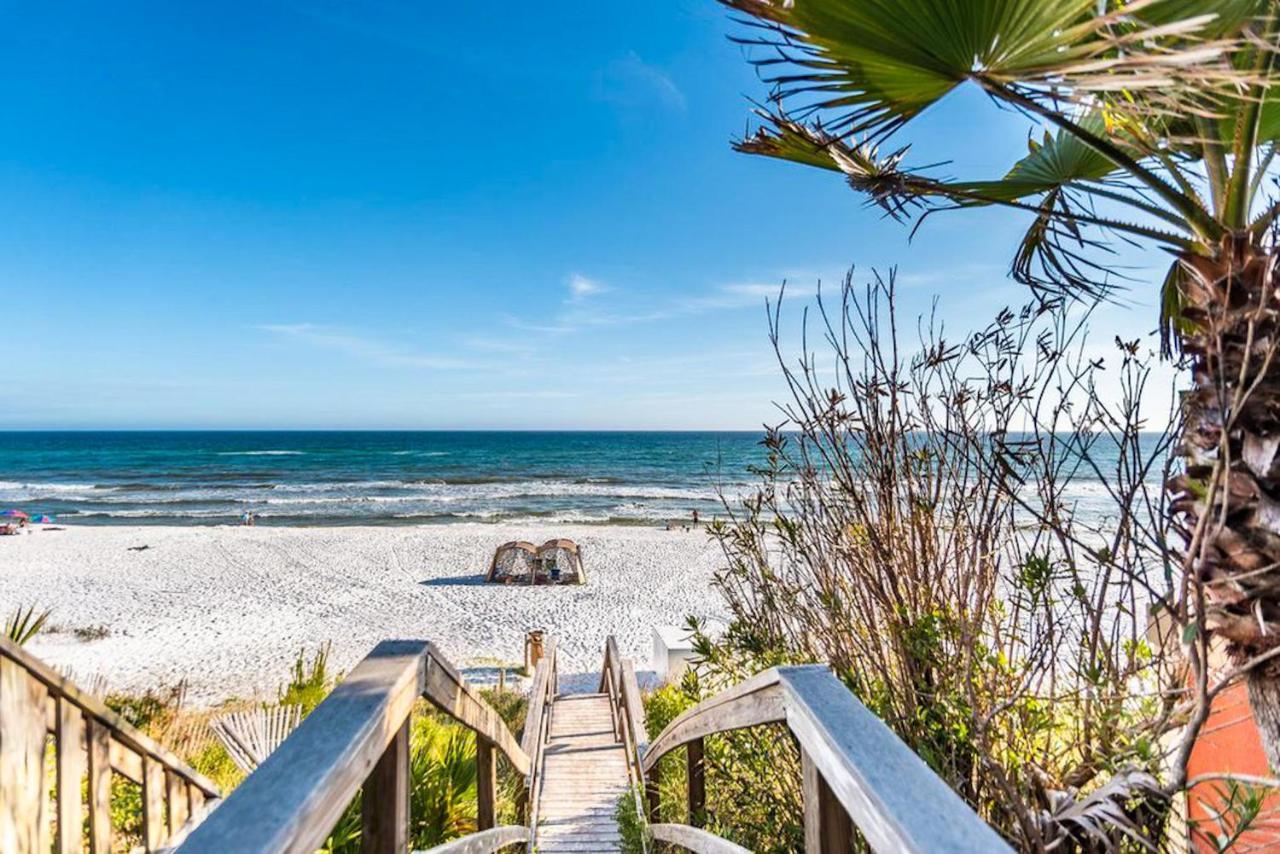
(442, 758)
(310, 682)
(510, 706)
(214, 762)
(631, 826)
(752, 776)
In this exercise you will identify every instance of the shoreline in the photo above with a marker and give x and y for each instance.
(228, 608)
(269, 521)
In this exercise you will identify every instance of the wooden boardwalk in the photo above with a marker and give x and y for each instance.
(584, 772)
(580, 754)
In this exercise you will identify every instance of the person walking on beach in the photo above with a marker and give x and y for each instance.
(695, 518)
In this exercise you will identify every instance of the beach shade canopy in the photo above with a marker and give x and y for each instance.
(512, 561)
(13, 514)
(560, 560)
(555, 562)
(43, 520)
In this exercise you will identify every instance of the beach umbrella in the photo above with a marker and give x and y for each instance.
(43, 520)
(13, 514)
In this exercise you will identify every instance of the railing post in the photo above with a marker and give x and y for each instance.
(24, 818)
(99, 787)
(384, 805)
(827, 828)
(71, 765)
(154, 829)
(486, 784)
(694, 756)
(651, 791)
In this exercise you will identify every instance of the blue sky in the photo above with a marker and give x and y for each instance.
(408, 215)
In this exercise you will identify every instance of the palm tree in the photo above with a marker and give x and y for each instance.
(1159, 129)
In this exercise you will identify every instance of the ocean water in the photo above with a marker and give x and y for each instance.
(329, 478)
(319, 478)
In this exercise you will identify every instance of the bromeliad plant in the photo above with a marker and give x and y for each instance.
(23, 625)
(1160, 127)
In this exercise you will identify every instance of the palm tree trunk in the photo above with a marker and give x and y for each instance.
(1227, 502)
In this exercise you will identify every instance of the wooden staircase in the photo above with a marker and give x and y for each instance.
(584, 769)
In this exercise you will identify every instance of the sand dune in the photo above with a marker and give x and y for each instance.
(228, 608)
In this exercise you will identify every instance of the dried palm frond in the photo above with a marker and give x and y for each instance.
(251, 736)
(1104, 817)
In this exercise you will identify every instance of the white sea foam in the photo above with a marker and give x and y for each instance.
(260, 453)
(52, 488)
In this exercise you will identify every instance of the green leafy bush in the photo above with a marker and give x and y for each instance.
(752, 776)
(632, 826)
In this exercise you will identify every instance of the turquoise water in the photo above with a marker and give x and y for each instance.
(370, 477)
(327, 478)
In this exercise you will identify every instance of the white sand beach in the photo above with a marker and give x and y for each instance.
(228, 608)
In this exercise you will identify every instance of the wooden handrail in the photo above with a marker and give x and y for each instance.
(537, 729)
(91, 741)
(449, 692)
(60, 687)
(484, 841)
(755, 701)
(357, 739)
(855, 768)
(695, 839)
(618, 680)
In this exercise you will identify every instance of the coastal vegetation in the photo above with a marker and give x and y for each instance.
(915, 527)
(24, 624)
(1159, 130)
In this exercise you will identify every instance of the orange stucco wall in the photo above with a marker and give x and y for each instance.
(1229, 743)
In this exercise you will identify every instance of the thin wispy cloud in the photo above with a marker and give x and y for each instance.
(632, 85)
(748, 295)
(364, 348)
(581, 287)
(581, 310)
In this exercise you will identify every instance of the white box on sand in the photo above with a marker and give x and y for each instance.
(672, 652)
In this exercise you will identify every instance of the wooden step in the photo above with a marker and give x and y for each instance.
(584, 773)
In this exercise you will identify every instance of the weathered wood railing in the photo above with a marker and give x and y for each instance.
(90, 743)
(537, 724)
(358, 740)
(856, 772)
(618, 680)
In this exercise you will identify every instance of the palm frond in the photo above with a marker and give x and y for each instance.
(1103, 818)
(879, 176)
(874, 65)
